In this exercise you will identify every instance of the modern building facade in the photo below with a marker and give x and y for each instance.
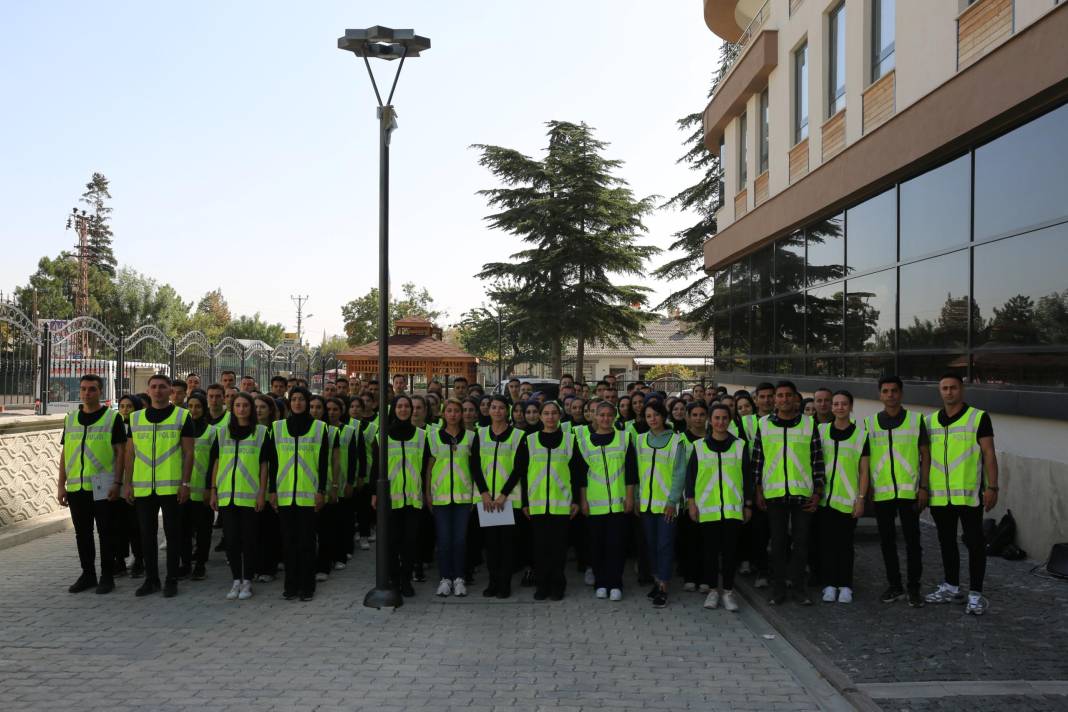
(895, 200)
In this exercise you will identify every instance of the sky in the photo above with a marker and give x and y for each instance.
(241, 144)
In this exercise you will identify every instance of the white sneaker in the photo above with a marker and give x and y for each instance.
(235, 591)
(712, 599)
(163, 546)
(704, 588)
(338, 565)
(730, 602)
(371, 536)
(689, 587)
(945, 594)
(364, 545)
(246, 591)
(830, 593)
(320, 576)
(977, 604)
(444, 588)
(601, 593)
(615, 595)
(845, 595)
(459, 588)
(745, 568)
(588, 578)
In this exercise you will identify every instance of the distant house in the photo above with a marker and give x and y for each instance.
(415, 349)
(666, 342)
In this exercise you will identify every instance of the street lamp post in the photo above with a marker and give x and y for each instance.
(389, 44)
(500, 348)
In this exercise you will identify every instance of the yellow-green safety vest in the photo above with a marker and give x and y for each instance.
(369, 430)
(606, 486)
(749, 427)
(237, 480)
(404, 470)
(895, 458)
(549, 475)
(198, 478)
(956, 460)
(656, 469)
(720, 484)
(450, 473)
(157, 465)
(344, 439)
(842, 460)
(497, 459)
(787, 458)
(298, 463)
(87, 450)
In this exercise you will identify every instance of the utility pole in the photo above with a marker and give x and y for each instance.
(300, 301)
(80, 222)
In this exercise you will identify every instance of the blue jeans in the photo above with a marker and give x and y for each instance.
(660, 541)
(451, 524)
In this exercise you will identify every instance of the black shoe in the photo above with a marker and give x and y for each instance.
(418, 575)
(289, 595)
(183, 573)
(84, 583)
(653, 591)
(307, 596)
(540, 594)
(489, 592)
(170, 588)
(119, 569)
(138, 569)
(106, 585)
(777, 599)
(660, 599)
(199, 574)
(147, 588)
(802, 598)
(914, 597)
(406, 589)
(504, 592)
(528, 579)
(556, 596)
(894, 593)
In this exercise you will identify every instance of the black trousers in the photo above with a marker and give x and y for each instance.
(549, 532)
(127, 533)
(84, 511)
(473, 543)
(298, 547)
(971, 521)
(365, 516)
(403, 542)
(523, 543)
(148, 510)
(688, 548)
(579, 537)
(500, 544)
(719, 540)
(240, 526)
(426, 537)
(197, 518)
(346, 527)
(788, 523)
(759, 536)
(268, 542)
(608, 544)
(886, 513)
(835, 535)
(326, 539)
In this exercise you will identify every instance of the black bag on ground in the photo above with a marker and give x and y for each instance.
(1001, 535)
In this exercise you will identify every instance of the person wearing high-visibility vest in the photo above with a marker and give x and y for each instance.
(367, 431)
(269, 529)
(964, 484)
(693, 427)
(449, 492)
(159, 463)
(550, 472)
(197, 514)
(719, 496)
(241, 455)
(342, 526)
(846, 454)
(787, 462)
(407, 459)
(325, 517)
(90, 472)
(611, 475)
(659, 493)
(297, 487)
(424, 552)
(759, 534)
(217, 413)
(127, 533)
(900, 467)
(493, 471)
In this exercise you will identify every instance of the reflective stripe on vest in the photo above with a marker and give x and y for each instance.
(787, 458)
(656, 467)
(157, 447)
(497, 459)
(450, 475)
(87, 450)
(199, 477)
(842, 458)
(956, 460)
(298, 463)
(549, 475)
(605, 482)
(346, 433)
(895, 457)
(404, 471)
(238, 478)
(720, 482)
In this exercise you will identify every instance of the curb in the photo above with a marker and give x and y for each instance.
(823, 664)
(35, 528)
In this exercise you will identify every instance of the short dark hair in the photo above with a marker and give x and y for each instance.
(248, 377)
(764, 386)
(94, 378)
(892, 379)
(950, 374)
(694, 405)
(567, 375)
(179, 383)
(844, 392)
(160, 377)
(215, 387)
(460, 378)
(718, 406)
(658, 407)
(193, 373)
(786, 384)
(601, 382)
(279, 379)
(823, 388)
(232, 373)
(513, 380)
(339, 379)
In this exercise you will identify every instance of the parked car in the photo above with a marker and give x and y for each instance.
(549, 386)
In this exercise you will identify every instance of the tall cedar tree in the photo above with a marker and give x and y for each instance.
(582, 223)
(96, 195)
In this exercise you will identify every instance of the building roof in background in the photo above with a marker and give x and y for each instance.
(408, 346)
(665, 338)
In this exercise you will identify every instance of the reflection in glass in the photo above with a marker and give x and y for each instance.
(830, 366)
(870, 367)
(871, 233)
(763, 329)
(826, 250)
(762, 364)
(1021, 290)
(789, 365)
(870, 304)
(790, 324)
(934, 209)
(762, 272)
(824, 309)
(931, 367)
(722, 334)
(740, 343)
(740, 282)
(1033, 369)
(1020, 178)
(934, 302)
(721, 282)
(790, 263)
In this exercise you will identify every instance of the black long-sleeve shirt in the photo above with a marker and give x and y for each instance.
(748, 485)
(576, 466)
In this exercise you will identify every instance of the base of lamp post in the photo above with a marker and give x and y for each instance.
(383, 598)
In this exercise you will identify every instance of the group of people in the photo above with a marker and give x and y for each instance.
(703, 484)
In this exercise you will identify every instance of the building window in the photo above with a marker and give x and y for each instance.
(743, 153)
(882, 37)
(871, 233)
(801, 93)
(935, 208)
(763, 131)
(836, 60)
(722, 186)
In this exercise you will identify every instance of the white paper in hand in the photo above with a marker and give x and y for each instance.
(503, 518)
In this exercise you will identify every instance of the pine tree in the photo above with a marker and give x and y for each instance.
(96, 195)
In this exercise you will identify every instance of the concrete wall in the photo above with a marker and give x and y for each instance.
(29, 453)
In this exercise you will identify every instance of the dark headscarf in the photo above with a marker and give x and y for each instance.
(300, 423)
(400, 429)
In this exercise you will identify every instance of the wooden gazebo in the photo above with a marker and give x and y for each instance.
(416, 347)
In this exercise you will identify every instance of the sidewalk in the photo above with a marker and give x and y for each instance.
(975, 663)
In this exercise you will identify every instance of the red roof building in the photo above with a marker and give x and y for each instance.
(415, 348)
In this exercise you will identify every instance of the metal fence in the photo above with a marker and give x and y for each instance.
(42, 363)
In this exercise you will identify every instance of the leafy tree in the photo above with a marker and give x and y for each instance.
(334, 344)
(477, 333)
(1014, 322)
(212, 315)
(361, 314)
(136, 299)
(1051, 317)
(53, 288)
(671, 370)
(581, 222)
(254, 327)
(96, 195)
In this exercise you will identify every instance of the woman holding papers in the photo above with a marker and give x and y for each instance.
(449, 491)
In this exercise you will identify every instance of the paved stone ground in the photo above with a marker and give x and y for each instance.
(1021, 637)
(199, 651)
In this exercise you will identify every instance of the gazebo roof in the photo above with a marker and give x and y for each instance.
(408, 346)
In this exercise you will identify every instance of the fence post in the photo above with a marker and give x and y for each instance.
(322, 364)
(174, 359)
(46, 367)
(242, 374)
(211, 363)
(120, 366)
